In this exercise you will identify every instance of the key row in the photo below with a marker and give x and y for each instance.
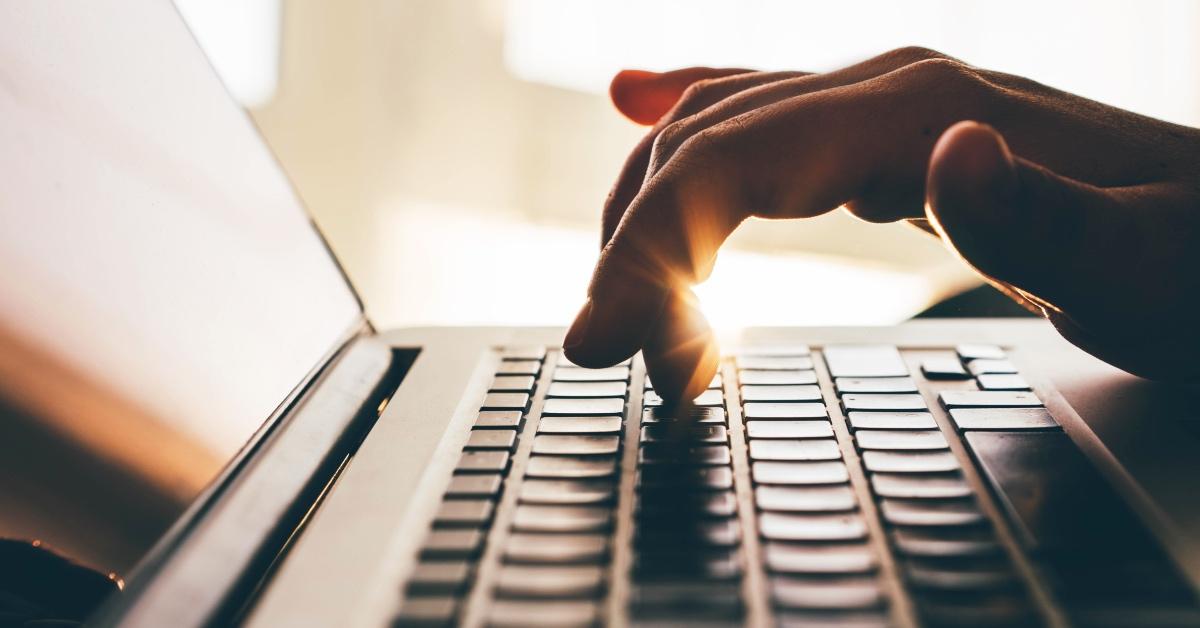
(945, 548)
(687, 554)
(444, 574)
(815, 546)
(555, 562)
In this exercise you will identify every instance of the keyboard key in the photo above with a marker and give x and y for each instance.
(506, 419)
(786, 558)
(570, 467)
(492, 439)
(785, 411)
(653, 567)
(936, 543)
(891, 421)
(1002, 419)
(925, 513)
(565, 362)
(708, 398)
(900, 440)
(660, 534)
(442, 576)
(864, 361)
(989, 399)
(704, 478)
(799, 473)
(979, 352)
(664, 453)
(575, 445)
(587, 389)
(909, 462)
(715, 383)
(531, 518)
(519, 367)
(996, 608)
(789, 429)
(920, 486)
(543, 613)
(580, 425)
(453, 544)
(875, 385)
(774, 350)
(1002, 382)
(549, 581)
(506, 401)
(777, 378)
(685, 603)
(943, 368)
(483, 462)
(575, 492)
(427, 611)
(577, 374)
(781, 393)
(984, 367)
(820, 618)
(530, 352)
(810, 593)
(675, 433)
(803, 450)
(864, 401)
(838, 498)
(773, 362)
(683, 415)
(926, 575)
(556, 549)
(775, 526)
(583, 407)
(475, 485)
(512, 383)
(464, 512)
(670, 502)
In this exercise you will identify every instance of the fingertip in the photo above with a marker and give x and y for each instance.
(681, 355)
(971, 197)
(635, 95)
(613, 325)
(970, 159)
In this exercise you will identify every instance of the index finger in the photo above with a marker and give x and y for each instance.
(798, 157)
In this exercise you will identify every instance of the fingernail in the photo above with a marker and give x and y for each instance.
(579, 328)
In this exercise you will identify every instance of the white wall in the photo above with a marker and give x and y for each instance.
(404, 123)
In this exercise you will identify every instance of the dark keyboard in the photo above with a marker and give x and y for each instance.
(846, 486)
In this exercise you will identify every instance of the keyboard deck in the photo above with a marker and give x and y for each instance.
(833, 486)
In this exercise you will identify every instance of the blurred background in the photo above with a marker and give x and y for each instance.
(449, 149)
(456, 154)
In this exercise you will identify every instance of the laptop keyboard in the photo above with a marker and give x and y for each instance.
(839, 486)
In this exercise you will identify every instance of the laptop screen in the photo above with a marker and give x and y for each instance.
(163, 290)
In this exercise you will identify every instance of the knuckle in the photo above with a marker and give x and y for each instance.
(702, 150)
(943, 70)
(667, 143)
(696, 95)
(914, 54)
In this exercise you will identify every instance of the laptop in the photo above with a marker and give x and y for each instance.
(168, 307)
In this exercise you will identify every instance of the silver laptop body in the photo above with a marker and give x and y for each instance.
(157, 259)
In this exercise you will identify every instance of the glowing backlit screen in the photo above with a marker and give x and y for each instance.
(162, 289)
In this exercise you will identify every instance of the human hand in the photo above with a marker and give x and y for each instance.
(1088, 213)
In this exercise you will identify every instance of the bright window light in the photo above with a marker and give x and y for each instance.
(241, 40)
(1141, 56)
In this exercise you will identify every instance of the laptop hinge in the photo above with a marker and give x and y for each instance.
(211, 563)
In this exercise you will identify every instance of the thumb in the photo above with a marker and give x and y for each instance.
(644, 96)
(1017, 222)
